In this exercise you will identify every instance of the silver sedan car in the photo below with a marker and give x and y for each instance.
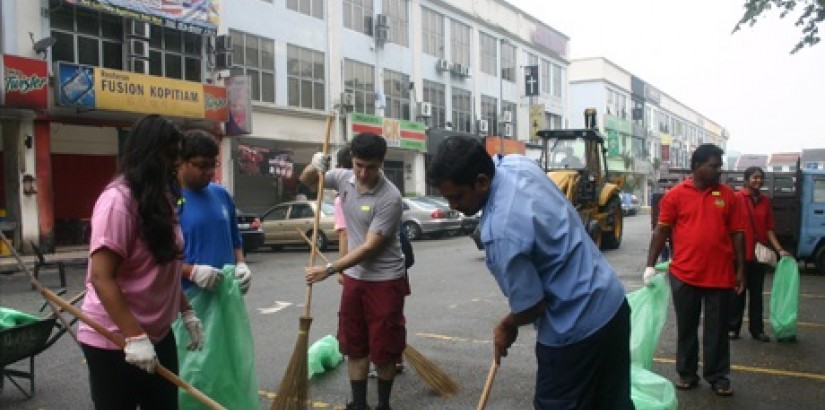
(422, 217)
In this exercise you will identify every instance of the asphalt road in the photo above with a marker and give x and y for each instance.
(451, 312)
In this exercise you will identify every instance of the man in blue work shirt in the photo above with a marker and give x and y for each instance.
(551, 272)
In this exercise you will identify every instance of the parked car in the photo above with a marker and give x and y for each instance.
(630, 204)
(468, 223)
(422, 217)
(280, 222)
(251, 233)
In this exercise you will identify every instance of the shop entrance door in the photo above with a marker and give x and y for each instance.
(394, 170)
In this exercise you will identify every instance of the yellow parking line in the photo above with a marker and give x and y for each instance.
(762, 370)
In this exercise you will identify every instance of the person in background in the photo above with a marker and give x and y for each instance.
(703, 220)
(211, 240)
(371, 325)
(759, 228)
(552, 274)
(133, 280)
(344, 160)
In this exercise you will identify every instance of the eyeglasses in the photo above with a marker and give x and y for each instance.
(205, 165)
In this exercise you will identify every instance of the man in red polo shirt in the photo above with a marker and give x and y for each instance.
(704, 221)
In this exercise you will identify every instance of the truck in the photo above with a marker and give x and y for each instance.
(576, 161)
(798, 200)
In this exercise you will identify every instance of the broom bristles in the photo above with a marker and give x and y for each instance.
(292, 393)
(432, 375)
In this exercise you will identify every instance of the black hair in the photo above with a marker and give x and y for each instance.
(198, 143)
(368, 146)
(460, 160)
(344, 157)
(703, 153)
(148, 166)
(752, 170)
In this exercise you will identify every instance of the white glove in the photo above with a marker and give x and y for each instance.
(141, 353)
(244, 276)
(647, 277)
(320, 162)
(205, 276)
(194, 328)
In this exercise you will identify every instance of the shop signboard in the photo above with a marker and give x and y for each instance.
(25, 82)
(504, 146)
(87, 87)
(240, 105)
(398, 133)
(194, 16)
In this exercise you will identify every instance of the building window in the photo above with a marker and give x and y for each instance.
(86, 37)
(314, 8)
(531, 58)
(397, 94)
(509, 106)
(462, 110)
(489, 113)
(460, 43)
(487, 53)
(432, 33)
(305, 78)
(174, 54)
(255, 56)
(544, 77)
(434, 94)
(557, 81)
(508, 62)
(398, 18)
(359, 79)
(358, 15)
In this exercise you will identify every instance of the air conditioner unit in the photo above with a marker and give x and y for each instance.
(425, 109)
(139, 65)
(223, 43)
(466, 71)
(483, 127)
(138, 48)
(506, 116)
(457, 69)
(224, 61)
(348, 99)
(139, 29)
(442, 65)
(508, 130)
(381, 20)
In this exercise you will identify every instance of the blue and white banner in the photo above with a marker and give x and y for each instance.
(196, 16)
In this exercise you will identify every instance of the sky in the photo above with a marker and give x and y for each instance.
(747, 82)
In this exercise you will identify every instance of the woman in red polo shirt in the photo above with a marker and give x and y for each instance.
(760, 224)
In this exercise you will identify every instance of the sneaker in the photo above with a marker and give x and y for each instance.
(373, 374)
(353, 406)
(399, 368)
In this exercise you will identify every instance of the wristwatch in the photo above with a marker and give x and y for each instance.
(330, 269)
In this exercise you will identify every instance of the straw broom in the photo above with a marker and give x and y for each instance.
(292, 393)
(53, 299)
(429, 372)
(485, 393)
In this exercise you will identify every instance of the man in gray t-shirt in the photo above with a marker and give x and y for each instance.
(371, 325)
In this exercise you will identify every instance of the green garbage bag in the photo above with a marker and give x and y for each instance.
(10, 318)
(649, 391)
(663, 266)
(323, 355)
(648, 313)
(225, 368)
(785, 299)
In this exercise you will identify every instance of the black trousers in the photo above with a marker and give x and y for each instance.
(687, 302)
(755, 277)
(593, 374)
(116, 384)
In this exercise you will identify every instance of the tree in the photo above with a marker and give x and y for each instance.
(812, 14)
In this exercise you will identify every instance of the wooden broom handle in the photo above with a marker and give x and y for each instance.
(318, 201)
(485, 393)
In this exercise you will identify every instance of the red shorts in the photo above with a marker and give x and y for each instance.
(371, 320)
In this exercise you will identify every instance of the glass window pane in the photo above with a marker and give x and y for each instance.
(88, 51)
(319, 99)
(63, 49)
(293, 92)
(267, 54)
(318, 70)
(318, 9)
(112, 55)
(193, 69)
(173, 66)
(306, 94)
(192, 44)
(61, 17)
(155, 36)
(251, 51)
(255, 84)
(155, 63)
(111, 26)
(268, 87)
(237, 46)
(172, 40)
(87, 22)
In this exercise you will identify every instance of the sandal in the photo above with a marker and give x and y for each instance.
(722, 388)
(686, 384)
